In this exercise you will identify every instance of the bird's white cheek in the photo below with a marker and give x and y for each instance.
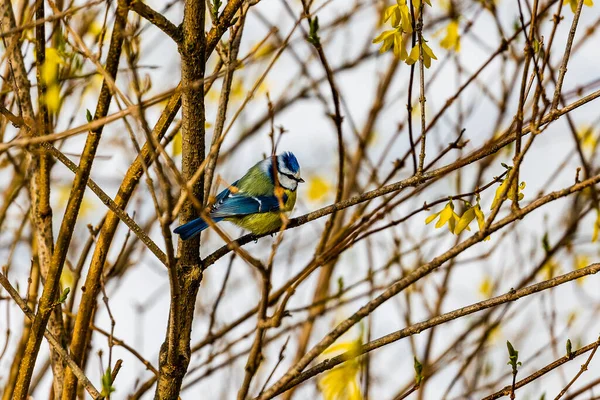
(287, 183)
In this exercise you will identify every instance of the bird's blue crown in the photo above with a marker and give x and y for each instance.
(290, 161)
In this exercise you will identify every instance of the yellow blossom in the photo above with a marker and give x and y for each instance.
(587, 137)
(95, 29)
(341, 382)
(452, 39)
(480, 219)
(49, 72)
(392, 38)
(446, 5)
(399, 16)
(446, 216)
(237, 89)
(318, 188)
(177, 144)
(573, 4)
(581, 261)
(486, 287)
(494, 334)
(413, 57)
(86, 207)
(67, 277)
(465, 220)
(417, 4)
(510, 193)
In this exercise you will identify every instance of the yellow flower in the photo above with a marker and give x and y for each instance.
(498, 196)
(494, 334)
(237, 89)
(587, 137)
(452, 39)
(50, 75)
(486, 287)
(573, 4)
(417, 4)
(318, 188)
(87, 205)
(177, 144)
(341, 382)
(413, 57)
(392, 38)
(581, 261)
(67, 278)
(480, 219)
(447, 216)
(446, 6)
(399, 16)
(508, 193)
(465, 220)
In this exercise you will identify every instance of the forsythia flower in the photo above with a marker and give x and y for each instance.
(587, 137)
(486, 287)
(473, 212)
(509, 193)
(177, 145)
(67, 278)
(86, 206)
(413, 57)
(417, 4)
(573, 4)
(318, 187)
(392, 38)
(447, 215)
(581, 261)
(452, 39)
(341, 383)
(465, 220)
(399, 16)
(480, 218)
(50, 75)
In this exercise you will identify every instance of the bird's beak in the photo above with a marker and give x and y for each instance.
(300, 180)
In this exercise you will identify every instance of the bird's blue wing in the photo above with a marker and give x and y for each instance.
(226, 192)
(237, 204)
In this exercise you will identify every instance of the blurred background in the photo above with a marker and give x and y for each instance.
(465, 358)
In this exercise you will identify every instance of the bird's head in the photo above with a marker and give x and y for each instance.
(288, 171)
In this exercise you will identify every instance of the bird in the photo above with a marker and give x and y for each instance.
(252, 201)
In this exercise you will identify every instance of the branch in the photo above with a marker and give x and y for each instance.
(555, 364)
(452, 315)
(186, 275)
(156, 19)
(409, 279)
(51, 339)
(78, 189)
(506, 139)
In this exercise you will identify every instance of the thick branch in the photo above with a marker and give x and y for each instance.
(185, 280)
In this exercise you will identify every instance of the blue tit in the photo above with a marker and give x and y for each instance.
(251, 201)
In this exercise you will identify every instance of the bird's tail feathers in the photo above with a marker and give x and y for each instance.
(192, 228)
